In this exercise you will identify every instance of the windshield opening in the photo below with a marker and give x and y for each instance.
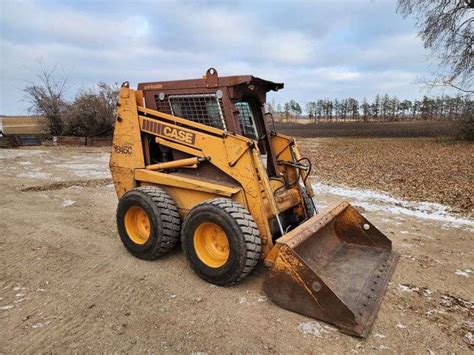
(247, 120)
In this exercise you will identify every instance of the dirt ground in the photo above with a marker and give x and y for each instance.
(399, 129)
(68, 285)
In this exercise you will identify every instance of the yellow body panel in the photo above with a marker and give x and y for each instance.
(236, 156)
(184, 183)
(127, 151)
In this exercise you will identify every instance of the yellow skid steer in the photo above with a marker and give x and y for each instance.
(198, 161)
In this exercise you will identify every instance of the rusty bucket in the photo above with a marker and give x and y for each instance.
(334, 267)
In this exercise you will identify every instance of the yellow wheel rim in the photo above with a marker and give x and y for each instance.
(137, 225)
(211, 244)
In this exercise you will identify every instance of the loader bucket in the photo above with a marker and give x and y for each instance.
(334, 267)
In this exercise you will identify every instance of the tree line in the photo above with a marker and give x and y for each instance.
(381, 108)
(92, 111)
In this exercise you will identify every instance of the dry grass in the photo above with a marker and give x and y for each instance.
(422, 169)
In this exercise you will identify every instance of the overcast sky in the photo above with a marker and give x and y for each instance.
(318, 49)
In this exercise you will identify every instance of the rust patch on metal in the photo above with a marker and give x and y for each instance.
(333, 268)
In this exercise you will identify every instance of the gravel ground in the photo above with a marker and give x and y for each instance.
(420, 169)
(68, 285)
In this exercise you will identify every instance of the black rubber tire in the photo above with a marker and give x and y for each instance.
(164, 219)
(242, 234)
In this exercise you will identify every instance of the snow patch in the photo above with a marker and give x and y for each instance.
(68, 203)
(384, 203)
(34, 175)
(422, 291)
(405, 288)
(40, 325)
(401, 326)
(105, 158)
(243, 300)
(98, 171)
(15, 153)
(464, 273)
(313, 328)
(102, 158)
(25, 163)
(4, 308)
(262, 299)
(430, 312)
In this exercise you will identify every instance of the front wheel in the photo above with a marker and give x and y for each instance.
(221, 241)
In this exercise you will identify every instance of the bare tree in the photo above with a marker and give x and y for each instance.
(46, 96)
(93, 111)
(353, 108)
(365, 109)
(446, 27)
(311, 110)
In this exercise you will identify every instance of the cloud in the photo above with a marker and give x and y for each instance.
(30, 21)
(342, 74)
(288, 48)
(319, 49)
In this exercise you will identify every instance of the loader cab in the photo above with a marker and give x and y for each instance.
(234, 104)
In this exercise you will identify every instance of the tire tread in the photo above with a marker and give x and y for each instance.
(249, 230)
(169, 216)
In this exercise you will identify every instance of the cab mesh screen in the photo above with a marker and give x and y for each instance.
(201, 108)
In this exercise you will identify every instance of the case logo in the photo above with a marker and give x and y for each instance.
(168, 131)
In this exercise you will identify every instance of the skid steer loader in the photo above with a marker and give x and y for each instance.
(196, 161)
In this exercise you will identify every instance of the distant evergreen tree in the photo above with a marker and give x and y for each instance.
(365, 109)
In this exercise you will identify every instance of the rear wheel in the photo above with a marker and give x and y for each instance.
(221, 241)
(148, 222)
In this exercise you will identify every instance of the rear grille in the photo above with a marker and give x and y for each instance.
(202, 108)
